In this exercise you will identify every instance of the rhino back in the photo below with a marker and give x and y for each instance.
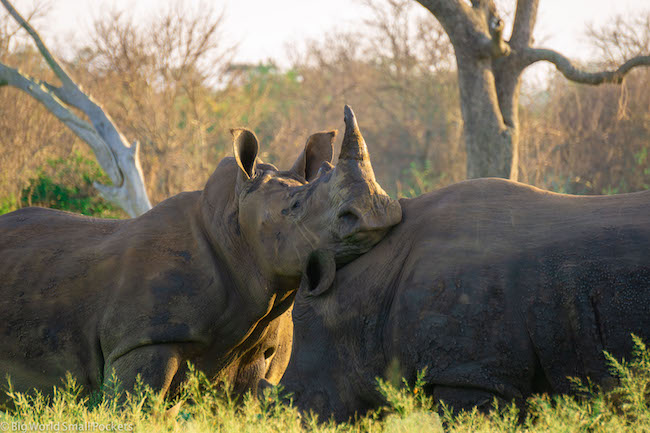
(511, 289)
(49, 301)
(77, 291)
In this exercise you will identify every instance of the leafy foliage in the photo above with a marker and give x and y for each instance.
(66, 184)
(169, 83)
(8, 204)
(203, 405)
(418, 179)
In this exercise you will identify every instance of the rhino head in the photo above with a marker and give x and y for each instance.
(322, 348)
(267, 359)
(284, 215)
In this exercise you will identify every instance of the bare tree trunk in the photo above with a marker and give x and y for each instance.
(489, 77)
(491, 144)
(118, 159)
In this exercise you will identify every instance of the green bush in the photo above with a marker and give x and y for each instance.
(8, 204)
(67, 184)
(419, 179)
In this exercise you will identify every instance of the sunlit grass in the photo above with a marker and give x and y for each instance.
(206, 406)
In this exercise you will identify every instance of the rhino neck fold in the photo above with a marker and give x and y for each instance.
(371, 296)
(257, 292)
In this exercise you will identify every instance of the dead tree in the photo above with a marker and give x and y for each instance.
(118, 159)
(489, 77)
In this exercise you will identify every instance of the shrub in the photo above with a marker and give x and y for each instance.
(67, 184)
(203, 405)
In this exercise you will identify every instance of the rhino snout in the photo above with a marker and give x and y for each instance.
(262, 386)
(369, 219)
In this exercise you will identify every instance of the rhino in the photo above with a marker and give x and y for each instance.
(198, 278)
(266, 360)
(494, 288)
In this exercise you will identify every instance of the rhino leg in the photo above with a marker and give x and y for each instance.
(157, 366)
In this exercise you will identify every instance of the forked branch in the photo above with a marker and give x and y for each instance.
(118, 159)
(573, 73)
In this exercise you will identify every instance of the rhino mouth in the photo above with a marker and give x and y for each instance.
(357, 244)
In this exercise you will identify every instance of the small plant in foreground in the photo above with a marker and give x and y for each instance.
(204, 405)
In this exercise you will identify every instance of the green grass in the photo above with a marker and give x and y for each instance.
(209, 407)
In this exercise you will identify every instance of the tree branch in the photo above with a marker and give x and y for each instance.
(49, 58)
(571, 72)
(477, 27)
(118, 159)
(43, 93)
(445, 7)
(493, 45)
(453, 15)
(524, 24)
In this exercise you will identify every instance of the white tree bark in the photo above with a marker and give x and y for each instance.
(118, 159)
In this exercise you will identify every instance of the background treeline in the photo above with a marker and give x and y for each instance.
(170, 84)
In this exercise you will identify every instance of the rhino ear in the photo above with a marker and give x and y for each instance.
(318, 149)
(319, 273)
(245, 148)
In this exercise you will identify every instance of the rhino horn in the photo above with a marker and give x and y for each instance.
(354, 146)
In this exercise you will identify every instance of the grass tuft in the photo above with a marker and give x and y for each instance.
(206, 406)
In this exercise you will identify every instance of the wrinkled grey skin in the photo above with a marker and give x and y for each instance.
(499, 289)
(198, 278)
(266, 360)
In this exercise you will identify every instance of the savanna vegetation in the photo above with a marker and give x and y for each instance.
(170, 84)
(204, 406)
(176, 91)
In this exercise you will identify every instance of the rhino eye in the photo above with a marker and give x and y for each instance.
(294, 206)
